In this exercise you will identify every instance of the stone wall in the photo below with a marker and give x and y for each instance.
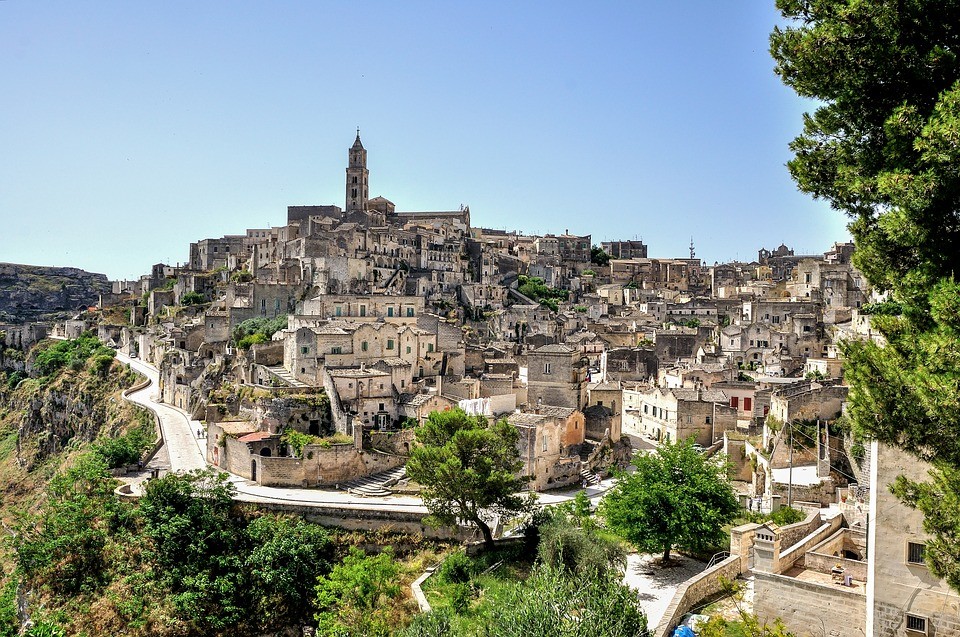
(825, 562)
(808, 608)
(323, 466)
(797, 551)
(357, 517)
(697, 589)
(790, 534)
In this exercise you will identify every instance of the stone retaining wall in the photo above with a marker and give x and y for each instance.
(697, 589)
(354, 518)
(808, 608)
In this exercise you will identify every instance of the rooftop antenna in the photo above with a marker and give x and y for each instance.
(693, 253)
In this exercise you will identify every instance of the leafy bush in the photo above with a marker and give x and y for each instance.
(570, 540)
(456, 569)
(263, 327)
(787, 515)
(192, 298)
(251, 339)
(355, 598)
(127, 449)
(52, 356)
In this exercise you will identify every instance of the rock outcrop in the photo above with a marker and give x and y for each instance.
(31, 293)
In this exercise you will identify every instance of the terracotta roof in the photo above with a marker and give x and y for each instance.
(256, 436)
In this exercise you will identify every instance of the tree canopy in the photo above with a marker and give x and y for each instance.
(882, 148)
(675, 498)
(467, 468)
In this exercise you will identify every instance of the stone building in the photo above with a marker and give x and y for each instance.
(904, 598)
(678, 414)
(625, 249)
(557, 376)
(550, 445)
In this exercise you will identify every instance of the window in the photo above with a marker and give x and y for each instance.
(917, 624)
(304, 350)
(544, 445)
(381, 406)
(546, 368)
(408, 349)
(735, 402)
(390, 311)
(363, 346)
(747, 404)
(337, 349)
(915, 552)
(429, 347)
(338, 311)
(409, 311)
(363, 310)
(389, 343)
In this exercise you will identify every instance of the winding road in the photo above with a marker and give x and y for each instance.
(186, 453)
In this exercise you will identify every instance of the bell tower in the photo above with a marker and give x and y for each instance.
(357, 177)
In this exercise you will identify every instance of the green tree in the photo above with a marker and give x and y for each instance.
(675, 498)
(882, 148)
(63, 546)
(598, 256)
(882, 145)
(467, 468)
(197, 546)
(288, 556)
(355, 598)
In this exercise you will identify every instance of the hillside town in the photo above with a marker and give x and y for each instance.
(311, 350)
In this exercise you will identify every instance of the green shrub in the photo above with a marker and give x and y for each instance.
(456, 569)
(192, 298)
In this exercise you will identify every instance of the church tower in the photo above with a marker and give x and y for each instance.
(357, 177)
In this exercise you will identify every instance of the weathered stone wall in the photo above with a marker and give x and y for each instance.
(825, 562)
(740, 468)
(697, 589)
(898, 586)
(788, 557)
(395, 442)
(809, 609)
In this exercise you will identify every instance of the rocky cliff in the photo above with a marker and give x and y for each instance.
(31, 293)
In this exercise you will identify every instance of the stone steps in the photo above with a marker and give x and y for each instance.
(589, 478)
(285, 376)
(374, 485)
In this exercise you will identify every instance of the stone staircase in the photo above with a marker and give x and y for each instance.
(375, 485)
(589, 478)
(284, 376)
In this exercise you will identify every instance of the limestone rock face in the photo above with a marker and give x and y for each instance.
(30, 292)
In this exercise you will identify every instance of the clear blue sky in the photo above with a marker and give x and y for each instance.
(130, 129)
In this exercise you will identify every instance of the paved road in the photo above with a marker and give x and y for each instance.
(179, 432)
(186, 453)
